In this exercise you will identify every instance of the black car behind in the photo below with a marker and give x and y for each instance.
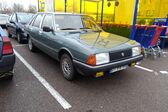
(16, 24)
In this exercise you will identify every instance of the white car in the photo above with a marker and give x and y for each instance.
(3, 20)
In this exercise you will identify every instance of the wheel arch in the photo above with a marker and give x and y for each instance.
(62, 51)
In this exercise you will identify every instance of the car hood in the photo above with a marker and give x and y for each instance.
(100, 40)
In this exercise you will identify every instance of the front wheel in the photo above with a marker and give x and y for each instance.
(67, 67)
(31, 45)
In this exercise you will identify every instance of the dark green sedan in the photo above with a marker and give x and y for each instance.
(81, 45)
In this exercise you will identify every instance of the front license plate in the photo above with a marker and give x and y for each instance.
(118, 69)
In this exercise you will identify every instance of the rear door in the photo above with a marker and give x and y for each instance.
(35, 30)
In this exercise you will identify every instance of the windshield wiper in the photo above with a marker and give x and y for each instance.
(68, 29)
(85, 28)
(97, 30)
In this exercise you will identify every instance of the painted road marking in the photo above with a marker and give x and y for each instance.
(50, 89)
(19, 45)
(143, 68)
(164, 72)
(165, 52)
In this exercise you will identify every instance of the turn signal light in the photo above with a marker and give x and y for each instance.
(92, 60)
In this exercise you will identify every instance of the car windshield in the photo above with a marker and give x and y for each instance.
(73, 22)
(24, 17)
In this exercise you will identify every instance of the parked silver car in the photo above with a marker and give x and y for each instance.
(3, 20)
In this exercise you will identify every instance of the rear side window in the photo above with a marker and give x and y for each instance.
(48, 21)
(37, 21)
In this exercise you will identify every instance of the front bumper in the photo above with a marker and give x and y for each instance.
(6, 64)
(92, 70)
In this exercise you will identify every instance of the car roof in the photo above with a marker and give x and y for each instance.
(61, 13)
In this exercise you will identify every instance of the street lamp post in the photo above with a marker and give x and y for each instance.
(80, 6)
(102, 11)
(134, 20)
(65, 4)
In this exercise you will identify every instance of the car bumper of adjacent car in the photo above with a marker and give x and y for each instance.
(6, 64)
(92, 70)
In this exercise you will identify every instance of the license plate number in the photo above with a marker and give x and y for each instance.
(118, 69)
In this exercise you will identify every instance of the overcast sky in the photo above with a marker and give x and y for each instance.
(25, 3)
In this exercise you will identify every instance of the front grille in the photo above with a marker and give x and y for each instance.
(120, 55)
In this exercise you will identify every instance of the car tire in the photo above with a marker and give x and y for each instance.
(67, 67)
(32, 48)
(19, 39)
(9, 35)
(8, 77)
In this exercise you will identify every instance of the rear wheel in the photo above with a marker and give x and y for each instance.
(31, 45)
(67, 67)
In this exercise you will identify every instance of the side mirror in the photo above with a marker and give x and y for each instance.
(12, 22)
(47, 29)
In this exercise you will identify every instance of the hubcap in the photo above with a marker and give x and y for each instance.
(30, 44)
(66, 67)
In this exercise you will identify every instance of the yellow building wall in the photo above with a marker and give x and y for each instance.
(59, 5)
(124, 12)
(153, 8)
(88, 7)
(41, 5)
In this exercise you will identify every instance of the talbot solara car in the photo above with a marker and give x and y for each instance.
(81, 45)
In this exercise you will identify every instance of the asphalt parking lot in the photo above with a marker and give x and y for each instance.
(38, 86)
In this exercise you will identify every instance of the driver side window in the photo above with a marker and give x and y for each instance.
(37, 21)
(48, 22)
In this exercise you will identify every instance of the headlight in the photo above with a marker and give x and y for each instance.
(98, 59)
(102, 58)
(136, 51)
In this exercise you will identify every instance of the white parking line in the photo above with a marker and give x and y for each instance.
(143, 68)
(164, 72)
(50, 89)
(19, 45)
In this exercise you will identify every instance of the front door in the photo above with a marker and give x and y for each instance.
(47, 38)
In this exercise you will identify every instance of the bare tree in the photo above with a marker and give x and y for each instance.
(4, 9)
(18, 8)
(32, 9)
